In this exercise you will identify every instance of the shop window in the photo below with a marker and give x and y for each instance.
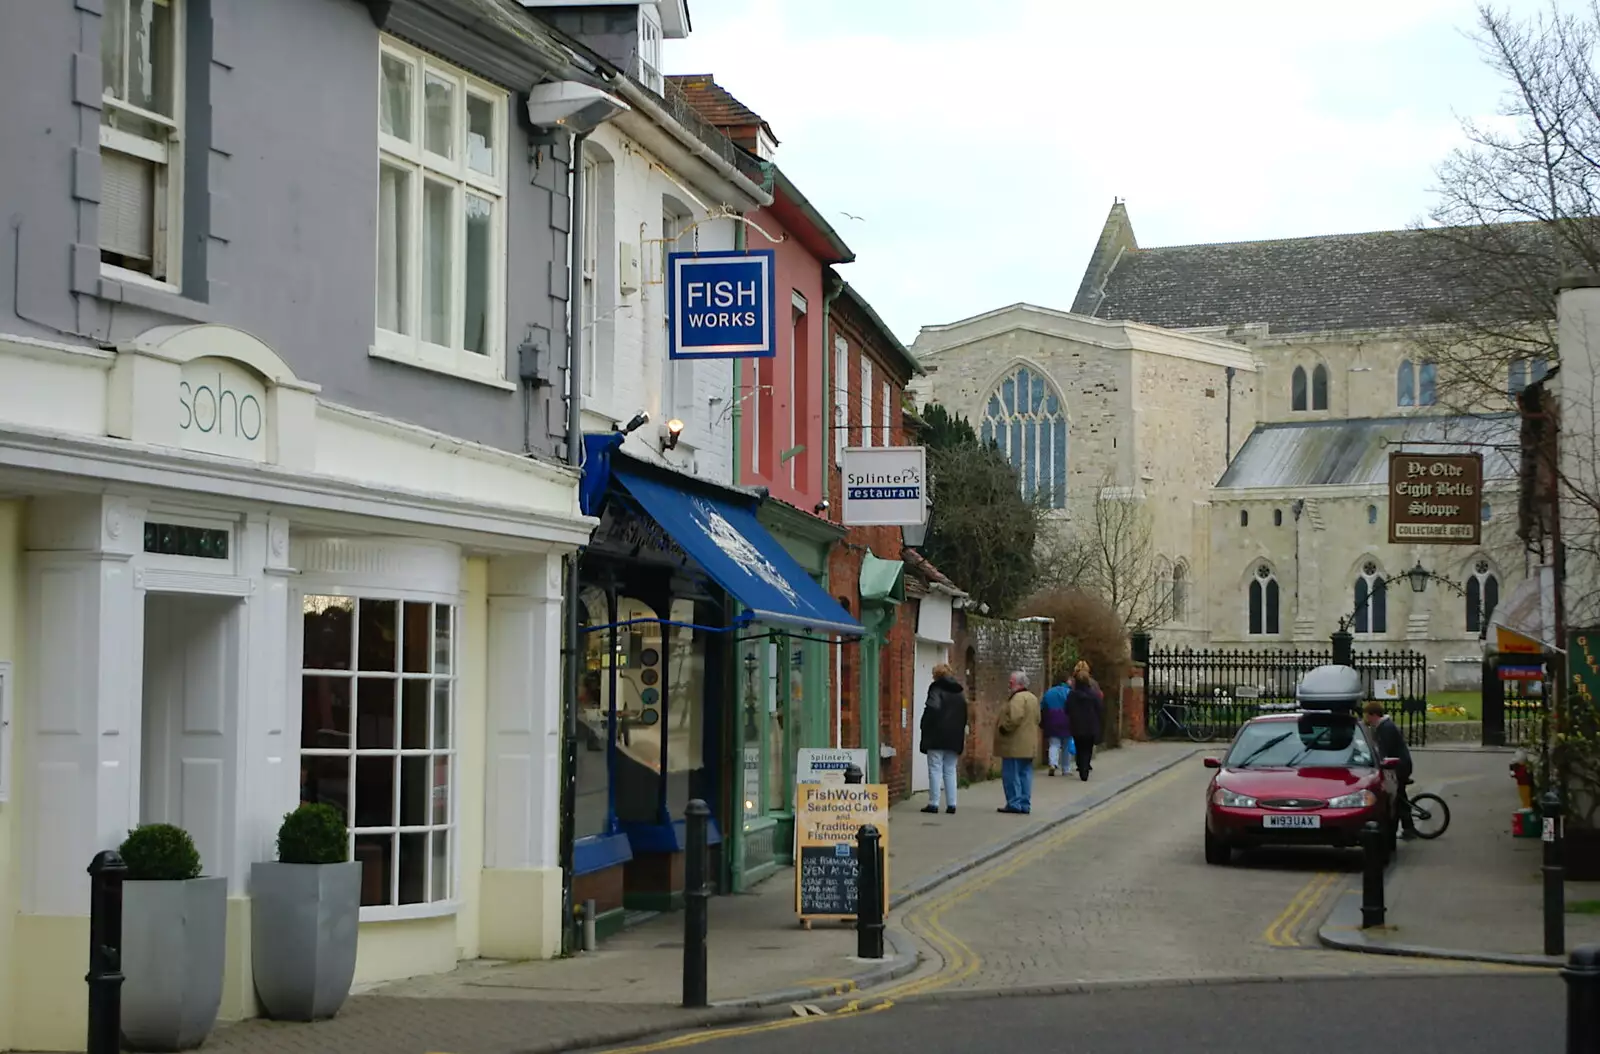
(750, 710)
(686, 676)
(592, 812)
(377, 738)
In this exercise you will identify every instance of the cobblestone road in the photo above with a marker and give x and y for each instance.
(1125, 895)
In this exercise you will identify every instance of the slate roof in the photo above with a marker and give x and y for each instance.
(1379, 280)
(715, 103)
(1354, 452)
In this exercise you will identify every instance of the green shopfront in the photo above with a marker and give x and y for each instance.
(782, 676)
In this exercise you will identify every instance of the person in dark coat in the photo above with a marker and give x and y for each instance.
(1085, 711)
(944, 734)
(1392, 744)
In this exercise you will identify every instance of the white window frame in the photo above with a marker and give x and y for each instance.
(866, 399)
(841, 398)
(422, 167)
(451, 903)
(167, 225)
(650, 35)
(797, 314)
(5, 731)
(884, 417)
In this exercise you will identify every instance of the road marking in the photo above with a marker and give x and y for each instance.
(1282, 932)
(925, 921)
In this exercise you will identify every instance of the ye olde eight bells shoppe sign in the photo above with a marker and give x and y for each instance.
(720, 305)
(1435, 499)
(885, 485)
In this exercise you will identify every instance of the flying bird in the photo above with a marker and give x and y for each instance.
(852, 216)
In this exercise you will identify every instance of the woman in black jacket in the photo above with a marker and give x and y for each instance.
(944, 733)
(1086, 708)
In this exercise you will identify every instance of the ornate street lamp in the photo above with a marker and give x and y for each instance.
(1419, 578)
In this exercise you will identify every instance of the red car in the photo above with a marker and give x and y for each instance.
(1298, 779)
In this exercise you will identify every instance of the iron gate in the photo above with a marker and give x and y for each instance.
(1206, 694)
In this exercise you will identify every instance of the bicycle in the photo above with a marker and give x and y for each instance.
(1430, 816)
(1170, 716)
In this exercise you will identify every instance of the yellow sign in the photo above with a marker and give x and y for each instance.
(1511, 642)
(827, 866)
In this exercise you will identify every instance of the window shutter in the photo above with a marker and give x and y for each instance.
(127, 205)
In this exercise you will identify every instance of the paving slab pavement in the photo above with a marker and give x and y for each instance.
(1473, 893)
(759, 955)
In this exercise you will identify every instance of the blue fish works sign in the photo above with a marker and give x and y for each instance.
(721, 305)
(885, 485)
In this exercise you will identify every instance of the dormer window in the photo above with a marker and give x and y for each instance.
(650, 49)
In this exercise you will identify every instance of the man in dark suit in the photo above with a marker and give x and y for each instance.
(1392, 744)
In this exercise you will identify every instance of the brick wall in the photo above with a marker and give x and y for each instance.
(984, 654)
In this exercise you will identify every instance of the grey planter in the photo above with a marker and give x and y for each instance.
(303, 924)
(174, 941)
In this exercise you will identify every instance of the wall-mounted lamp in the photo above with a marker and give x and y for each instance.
(640, 419)
(670, 437)
(821, 507)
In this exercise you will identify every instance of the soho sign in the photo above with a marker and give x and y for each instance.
(885, 485)
(221, 408)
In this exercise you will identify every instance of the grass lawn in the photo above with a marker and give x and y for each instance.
(1472, 702)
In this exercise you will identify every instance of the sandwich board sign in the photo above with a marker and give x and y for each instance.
(827, 867)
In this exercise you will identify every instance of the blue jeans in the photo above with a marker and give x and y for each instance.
(942, 776)
(1016, 777)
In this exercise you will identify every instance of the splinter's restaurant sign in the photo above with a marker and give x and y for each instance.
(1435, 499)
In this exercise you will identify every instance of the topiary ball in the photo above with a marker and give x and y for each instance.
(160, 852)
(313, 834)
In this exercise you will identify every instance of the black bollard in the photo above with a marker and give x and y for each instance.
(1582, 974)
(869, 894)
(106, 873)
(697, 817)
(1373, 857)
(1555, 876)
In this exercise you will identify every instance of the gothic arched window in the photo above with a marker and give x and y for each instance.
(1180, 591)
(1319, 387)
(1263, 602)
(1025, 419)
(1427, 384)
(1483, 595)
(1372, 601)
(1297, 389)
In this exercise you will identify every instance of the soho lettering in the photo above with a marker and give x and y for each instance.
(219, 411)
(722, 294)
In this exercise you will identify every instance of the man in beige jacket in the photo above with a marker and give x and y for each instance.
(1016, 744)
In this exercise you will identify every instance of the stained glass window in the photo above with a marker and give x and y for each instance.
(1025, 418)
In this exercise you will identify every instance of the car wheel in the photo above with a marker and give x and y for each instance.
(1218, 852)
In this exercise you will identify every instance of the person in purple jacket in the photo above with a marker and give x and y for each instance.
(1055, 726)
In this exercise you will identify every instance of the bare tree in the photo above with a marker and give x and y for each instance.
(1517, 207)
(1108, 550)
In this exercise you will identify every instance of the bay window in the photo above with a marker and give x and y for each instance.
(141, 142)
(377, 739)
(441, 216)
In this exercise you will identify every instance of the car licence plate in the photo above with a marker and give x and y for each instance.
(1297, 821)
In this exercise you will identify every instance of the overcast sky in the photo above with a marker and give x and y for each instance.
(982, 143)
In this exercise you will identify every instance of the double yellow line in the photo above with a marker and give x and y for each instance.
(926, 921)
(1284, 930)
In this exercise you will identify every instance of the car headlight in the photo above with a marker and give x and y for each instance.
(1358, 800)
(1231, 800)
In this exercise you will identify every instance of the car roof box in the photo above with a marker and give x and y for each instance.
(1330, 688)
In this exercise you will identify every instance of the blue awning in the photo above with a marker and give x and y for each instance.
(730, 544)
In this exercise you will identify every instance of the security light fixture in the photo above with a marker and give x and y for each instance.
(674, 432)
(821, 507)
(571, 106)
(640, 419)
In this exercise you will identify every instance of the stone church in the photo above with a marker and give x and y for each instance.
(1249, 394)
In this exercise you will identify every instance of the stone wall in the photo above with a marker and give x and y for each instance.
(984, 654)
